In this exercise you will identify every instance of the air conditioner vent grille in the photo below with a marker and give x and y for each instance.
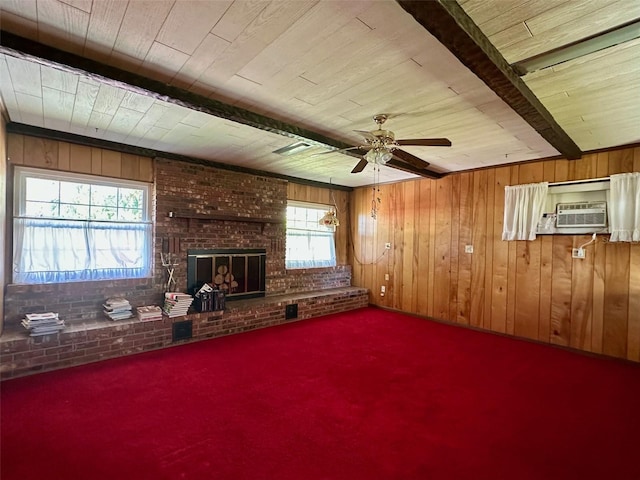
(583, 214)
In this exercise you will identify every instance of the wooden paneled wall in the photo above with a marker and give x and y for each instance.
(69, 157)
(326, 196)
(533, 289)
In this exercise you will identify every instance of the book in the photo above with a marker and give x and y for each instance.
(117, 302)
(204, 290)
(117, 308)
(119, 315)
(149, 313)
(41, 316)
(176, 304)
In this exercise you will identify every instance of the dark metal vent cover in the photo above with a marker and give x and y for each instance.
(291, 311)
(182, 330)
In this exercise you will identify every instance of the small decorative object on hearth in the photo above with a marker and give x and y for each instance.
(170, 262)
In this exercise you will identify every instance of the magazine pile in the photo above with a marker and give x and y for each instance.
(117, 308)
(176, 304)
(209, 299)
(149, 313)
(42, 323)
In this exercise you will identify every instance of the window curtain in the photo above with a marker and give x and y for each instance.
(310, 249)
(624, 207)
(523, 209)
(51, 251)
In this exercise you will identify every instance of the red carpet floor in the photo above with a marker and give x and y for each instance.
(364, 395)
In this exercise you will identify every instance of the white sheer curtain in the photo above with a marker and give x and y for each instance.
(523, 209)
(624, 207)
(52, 250)
(310, 249)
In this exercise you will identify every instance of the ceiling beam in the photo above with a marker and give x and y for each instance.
(23, 48)
(405, 167)
(452, 27)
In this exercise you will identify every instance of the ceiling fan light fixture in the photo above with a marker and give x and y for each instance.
(383, 149)
(378, 156)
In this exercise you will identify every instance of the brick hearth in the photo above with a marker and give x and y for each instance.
(92, 341)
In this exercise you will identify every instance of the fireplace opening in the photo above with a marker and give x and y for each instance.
(239, 273)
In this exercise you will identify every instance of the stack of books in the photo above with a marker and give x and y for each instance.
(42, 323)
(148, 313)
(117, 308)
(176, 304)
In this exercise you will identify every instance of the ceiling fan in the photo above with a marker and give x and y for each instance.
(383, 149)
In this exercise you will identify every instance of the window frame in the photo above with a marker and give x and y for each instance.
(22, 173)
(320, 207)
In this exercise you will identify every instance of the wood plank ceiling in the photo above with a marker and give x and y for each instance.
(594, 97)
(323, 68)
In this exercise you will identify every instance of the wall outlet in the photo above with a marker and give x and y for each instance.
(383, 289)
(578, 253)
(387, 245)
(468, 249)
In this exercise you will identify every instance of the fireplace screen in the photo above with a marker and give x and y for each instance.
(239, 273)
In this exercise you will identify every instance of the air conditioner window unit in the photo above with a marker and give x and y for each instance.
(576, 208)
(581, 214)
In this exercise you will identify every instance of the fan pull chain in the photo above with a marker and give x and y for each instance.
(375, 199)
(374, 207)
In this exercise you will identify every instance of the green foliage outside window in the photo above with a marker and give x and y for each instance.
(47, 198)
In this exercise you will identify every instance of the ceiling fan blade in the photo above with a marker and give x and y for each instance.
(360, 166)
(405, 167)
(335, 151)
(367, 135)
(426, 142)
(410, 159)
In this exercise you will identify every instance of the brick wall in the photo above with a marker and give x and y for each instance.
(188, 188)
(314, 279)
(77, 301)
(201, 190)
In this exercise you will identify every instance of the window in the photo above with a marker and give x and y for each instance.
(70, 227)
(309, 244)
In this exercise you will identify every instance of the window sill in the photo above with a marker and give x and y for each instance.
(314, 269)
